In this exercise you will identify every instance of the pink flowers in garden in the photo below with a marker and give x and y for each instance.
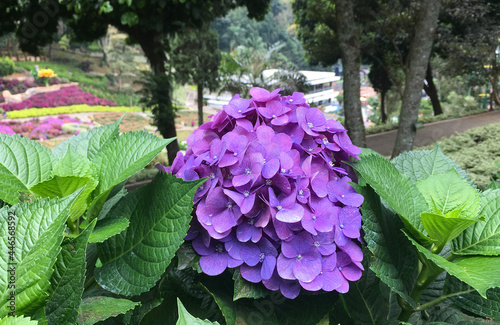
(36, 129)
(277, 202)
(66, 96)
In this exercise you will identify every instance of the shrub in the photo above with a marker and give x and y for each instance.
(36, 112)
(477, 151)
(460, 104)
(7, 66)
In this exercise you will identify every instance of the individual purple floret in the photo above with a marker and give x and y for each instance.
(277, 203)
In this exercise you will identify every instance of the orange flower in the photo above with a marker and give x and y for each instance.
(46, 73)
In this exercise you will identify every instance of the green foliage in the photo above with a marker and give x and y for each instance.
(96, 309)
(68, 188)
(453, 230)
(7, 66)
(460, 104)
(71, 73)
(477, 151)
(186, 319)
(37, 112)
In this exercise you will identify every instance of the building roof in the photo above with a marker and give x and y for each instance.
(312, 77)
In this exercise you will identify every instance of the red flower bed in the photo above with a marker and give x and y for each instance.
(65, 96)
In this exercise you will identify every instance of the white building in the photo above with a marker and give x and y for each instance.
(321, 93)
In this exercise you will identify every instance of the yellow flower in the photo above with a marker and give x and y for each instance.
(47, 73)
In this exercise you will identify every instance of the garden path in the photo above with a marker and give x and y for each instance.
(383, 143)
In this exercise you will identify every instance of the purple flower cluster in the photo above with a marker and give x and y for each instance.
(277, 202)
(15, 86)
(65, 96)
(36, 129)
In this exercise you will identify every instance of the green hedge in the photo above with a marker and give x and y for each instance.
(35, 112)
(477, 151)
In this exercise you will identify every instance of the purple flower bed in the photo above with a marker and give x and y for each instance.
(277, 202)
(36, 129)
(66, 96)
(16, 86)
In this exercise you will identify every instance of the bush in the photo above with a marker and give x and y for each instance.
(7, 66)
(460, 104)
(35, 112)
(477, 151)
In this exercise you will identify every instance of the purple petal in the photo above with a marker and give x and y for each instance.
(213, 264)
(251, 273)
(290, 215)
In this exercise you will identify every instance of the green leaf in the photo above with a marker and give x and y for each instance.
(70, 173)
(394, 258)
(420, 164)
(130, 18)
(67, 281)
(450, 315)
(159, 215)
(87, 144)
(447, 192)
(126, 155)
(472, 301)
(186, 319)
(96, 309)
(482, 238)
(107, 228)
(140, 312)
(38, 233)
(480, 272)
(368, 299)
(23, 163)
(245, 289)
(494, 185)
(224, 301)
(17, 321)
(444, 228)
(396, 189)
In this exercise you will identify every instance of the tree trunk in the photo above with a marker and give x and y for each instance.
(165, 116)
(350, 54)
(200, 104)
(431, 91)
(415, 68)
(493, 76)
(383, 115)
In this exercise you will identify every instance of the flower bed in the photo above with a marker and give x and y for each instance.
(64, 97)
(45, 129)
(36, 112)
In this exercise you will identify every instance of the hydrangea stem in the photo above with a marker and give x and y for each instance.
(73, 227)
(425, 277)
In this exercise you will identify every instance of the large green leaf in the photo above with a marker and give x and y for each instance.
(121, 158)
(23, 163)
(472, 301)
(420, 164)
(442, 229)
(96, 309)
(450, 315)
(17, 321)
(482, 238)
(71, 172)
(67, 281)
(368, 299)
(186, 319)
(87, 144)
(38, 235)
(494, 185)
(124, 156)
(447, 192)
(480, 272)
(394, 258)
(396, 189)
(159, 215)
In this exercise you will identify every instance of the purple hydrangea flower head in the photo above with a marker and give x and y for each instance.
(277, 203)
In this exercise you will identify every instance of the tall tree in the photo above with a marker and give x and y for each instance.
(196, 58)
(415, 68)
(147, 23)
(328, 31)
(381, 82)
(347, 32)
